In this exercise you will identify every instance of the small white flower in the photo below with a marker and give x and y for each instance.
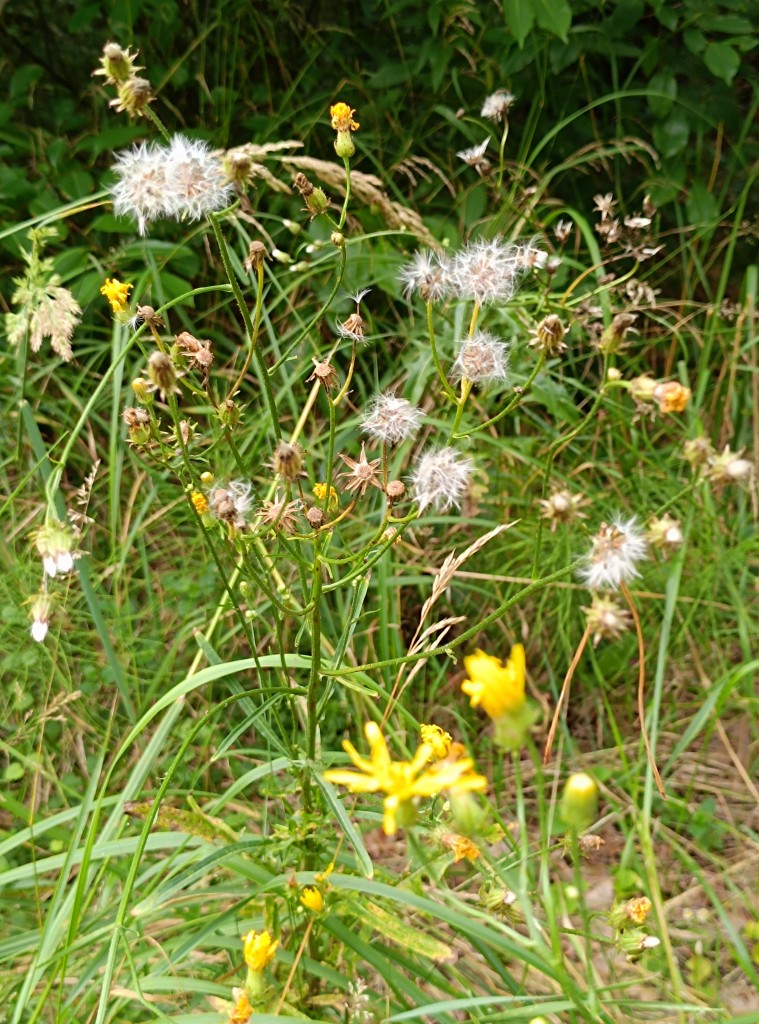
(637, 223)
(616, 550)
(486, 271)
(482, 358)
(39, 630)
(441, 478)
(429, 274)
(475, 155)
(55, 545)
(497, 105)
(391, 419)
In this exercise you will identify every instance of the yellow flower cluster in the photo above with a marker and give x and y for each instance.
(438, 740)
(403, 782)
(320, 493)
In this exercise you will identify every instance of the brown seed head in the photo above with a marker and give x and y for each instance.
(548, 336)
(395, 491)
(325, 373)
(133, 97)
(256, 255)
(162, 374)
(288, 461)
(315, 517)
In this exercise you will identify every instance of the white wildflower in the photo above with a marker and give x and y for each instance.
(497, 105)
(616, 550)
(486, 271)
(40, 613)
(441, 478)
(482, 358)
(429, 274)
(391, 419)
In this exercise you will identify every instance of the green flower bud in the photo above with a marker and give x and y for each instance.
(579, 802)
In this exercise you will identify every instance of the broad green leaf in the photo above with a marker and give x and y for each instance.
(555, 16)
(520, 17)
(723, 60)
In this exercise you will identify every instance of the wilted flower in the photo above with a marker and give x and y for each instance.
(616, 550)
(482, 358)
(671, 396)
(475, 156)
(604, 204)
(607, 619)
(162, 375)
(428, 273)
(288, 461)
(361, 472)
(198, 352)
(403, 782)
(637, 223)
(441, 478)
(698, 452)
(460, 846)
(497, 105)
(231, 503)
(117, 65)
(562, 230)
(40, 613)
(241, 1009)
(391, 419)
(614, 337)
(548, 336)
(325, 373)
(138, 424)
(485, 271)
(729, 468)
(280, 514)
(562, 507)
(665, 532)
(132, 96)
(56, 543)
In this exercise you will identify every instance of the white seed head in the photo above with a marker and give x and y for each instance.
(482, 358)
(486, 271)
(140, 189)
(195, 179)
(616, 550)
(497, 105)
(231, 502)
(429, 274)
(441, 478)
(391, 419)
(475, 155)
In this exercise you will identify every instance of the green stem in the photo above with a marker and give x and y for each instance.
(522, 393)
(254, 335)
(344, 212)
(466, 390)
(152, 116)
(436, 358)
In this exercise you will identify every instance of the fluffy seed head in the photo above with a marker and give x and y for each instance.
(441, 479)
(391, 419)
(475, 156)
(482, 358)
(497, 105)
(429, 274)
(231, 503)
(195, 179)
(485, 271)
(140, 189)
(616, 550)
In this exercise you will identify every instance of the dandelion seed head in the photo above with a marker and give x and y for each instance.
(616, 550)
(195, 179)
(485, 271)
(391, 419)
(497, 105)
(441, 478)
(429, 274)
(482, 358)
(231, 502)
(140, 188)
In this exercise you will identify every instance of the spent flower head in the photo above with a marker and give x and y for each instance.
(482, 359)
(361, 472)
(729, 468)
(195, 180)
(475, 156)
(441, 478)
(548, 336)
(391, 419)
(117, 65)
(281, 514)
(39, 613)
(562, 507)
(606, 618)
(56, 545)
(403, 782)
(231, 502)
(614, 555)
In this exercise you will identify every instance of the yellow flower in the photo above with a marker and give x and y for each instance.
(320, 493)
(117, 294)
(200, 502)
(498, 688)
(312, 899)
(342, 118)
(403, 782)
(671, 396)
(438, 739)
(460, 846)
(241, 1009)
(258, 949)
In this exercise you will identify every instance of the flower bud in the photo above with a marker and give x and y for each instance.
(469, 816)
(312, 899)
(344, 145)
(142, 392)
(338, 239)
(133, 97)
(116, 64)
(579, 802)
(288, 461)
(229, 413)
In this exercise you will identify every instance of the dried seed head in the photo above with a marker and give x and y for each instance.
(288, 461)
(665, 533)
(231, 503)
(486, 271)
(671, 396)
(589, 843)
(117, 65)
(395, 491)
(256, 255)
(730, 468)
(475, 156)
(548, 336)
(162, 375)
(698, 452)
(325, 373)
(441, 478)
(361, 472)
(315, 517)
(607, 619)
(562, 507)
(147, 315)
(391, 419)
(616, 550)
(280, 514)
(352, 328)
(482, 359)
